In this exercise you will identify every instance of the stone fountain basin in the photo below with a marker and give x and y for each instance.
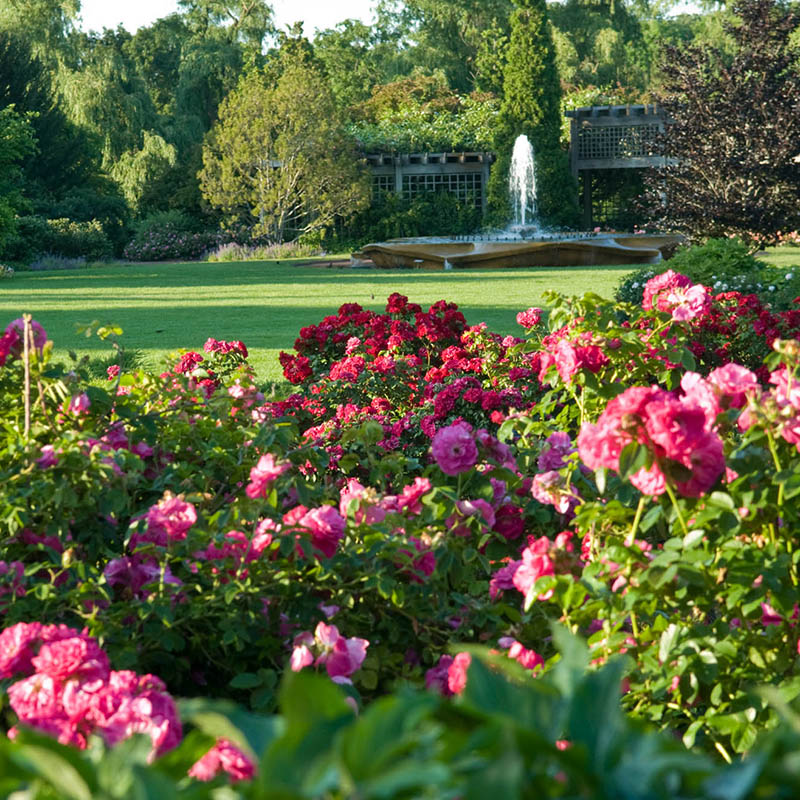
(576, 251)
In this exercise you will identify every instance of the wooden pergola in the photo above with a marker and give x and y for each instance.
(613, 137)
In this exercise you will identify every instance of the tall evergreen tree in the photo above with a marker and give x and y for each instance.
(532, 106)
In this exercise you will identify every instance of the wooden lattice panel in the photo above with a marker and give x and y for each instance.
(466, 186)
(618, 141)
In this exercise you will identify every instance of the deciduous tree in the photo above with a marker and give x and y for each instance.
(733, 139)
(278, 157)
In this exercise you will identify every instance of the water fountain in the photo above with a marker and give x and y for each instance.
(522, 183)
(524, 243)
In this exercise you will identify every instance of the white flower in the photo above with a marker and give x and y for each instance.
(772, 288)
(789, 276)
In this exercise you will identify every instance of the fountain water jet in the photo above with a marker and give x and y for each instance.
(522, 182)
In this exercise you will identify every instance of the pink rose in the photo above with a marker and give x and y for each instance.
(454, 448)
(529, 318)
(48, 458)
(263, 474)
(327, 528)
(436, 677)
(734, 383)
(14, 332)
(168, 520)
(534, 565)
(457, 673)
(78, 405)
(78, 657)
(223, 757)
(660, 283)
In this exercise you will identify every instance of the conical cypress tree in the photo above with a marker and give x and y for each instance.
(532, 106)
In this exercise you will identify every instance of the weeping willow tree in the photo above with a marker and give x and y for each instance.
(46, 25)
(532, 106)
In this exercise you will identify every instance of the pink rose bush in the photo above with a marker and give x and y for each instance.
(65, 688)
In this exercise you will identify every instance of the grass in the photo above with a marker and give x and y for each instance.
(164, 307)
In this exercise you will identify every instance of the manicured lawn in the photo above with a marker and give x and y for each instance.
(163, 307)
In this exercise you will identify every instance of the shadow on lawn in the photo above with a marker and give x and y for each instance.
(190, 277)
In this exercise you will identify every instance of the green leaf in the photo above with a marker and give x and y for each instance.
(691, 733)
(721, 500)
(226, 720)
(245, 680)
(667, 642)
(534, 707)
(693, 537)
(688, 361)
(573, 661)
(633, 457)
(54, 768)
(386, 731)
(736, 781)
(595, 717)
(306, 698)
(502, 777)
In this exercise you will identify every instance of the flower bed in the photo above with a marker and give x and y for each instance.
(428, 485)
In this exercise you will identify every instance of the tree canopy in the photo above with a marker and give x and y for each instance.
(733, 139)
(279, 158)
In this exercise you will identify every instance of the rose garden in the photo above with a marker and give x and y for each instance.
(434, 559)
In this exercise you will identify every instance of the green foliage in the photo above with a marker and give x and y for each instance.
(98, 200)
(391, 216)
(68, 238)
(134, 171)
(532, 106)
(16, 142)
(46, 24)
(725, 265)
(270, 252)
(352, 60)
(524, 738)
(600, 43)
(246, 21)
(279, 159)
(174, 220)
(717, 258)
(733, 133)
(63, 237)
(459, 37)
(412, 125)
(156, 51)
